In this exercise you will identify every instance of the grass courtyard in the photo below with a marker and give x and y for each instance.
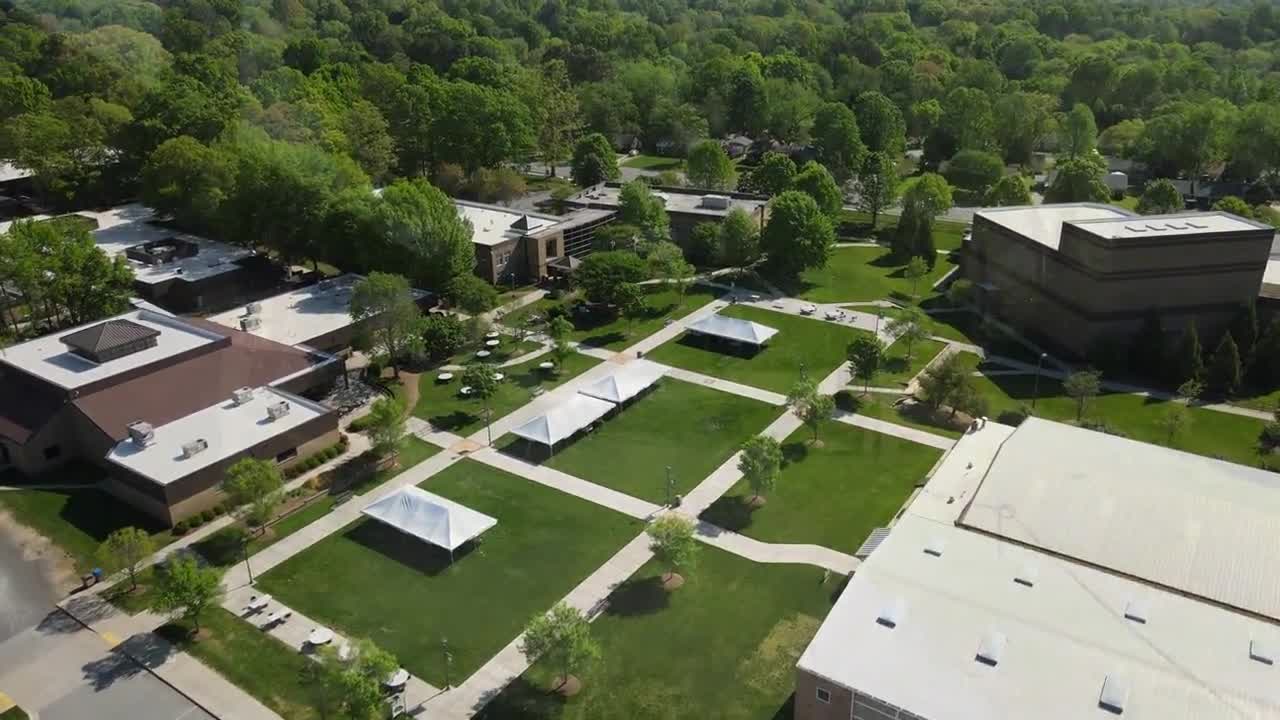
(832, 496)
(947, 234)
(615, 333)
(691, 428)
(815, 346)
(369, 580)
(897, 369)
(722, 646)
(653, 162)
(861, 274)
(440, 404)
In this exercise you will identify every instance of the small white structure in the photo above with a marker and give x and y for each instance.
(427, 516)
(562, 421)
(1117, 182)
(735, 329)
(629, 381)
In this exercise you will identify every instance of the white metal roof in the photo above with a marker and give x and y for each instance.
(732, 328)
(627, 382)
(427, 516)
(1043, 223)
(227, 428)
(49, 359)
(491, 225)
(1057, 628)
(1147, 226)
(1204, 526)
(563, 420)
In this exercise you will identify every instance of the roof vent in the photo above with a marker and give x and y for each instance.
(1136, 611)
(193, 448)
(935, 547)
(1026, 576)
(991, 648)
(242, 396)
(893, 614)
(1115, 692)
(1198, 227)
(1175, 226)
(141, 433)
(1260, 651)
(249, 323)
(275, 411)
(1135, 228)
(253, 308)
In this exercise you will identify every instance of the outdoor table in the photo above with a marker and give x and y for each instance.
(491, 334)
(492, 343)
(483, 354)
(320, 636)
(259, 602)
(398, 678)
(465, 390)
(444, 377)
(546, 365)
(499, 377)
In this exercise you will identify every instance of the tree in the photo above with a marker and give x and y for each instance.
(472, 295)
(1160, 197)
(876, 186)
(421, 223)
(909, 326)
(125, 549)
(558, 330)
(672, 542)
(811, 406)
(967, 118)
(926, 198)
(1010, 190)
(557, 114)
(1079, 132)
(1079, 180)
(593, 161)
(480, 378)
(814, 181)
(640, 208)
(1224, 370)
(1174, 421)
(942, 381)
(1244, 330)
(385, 426)
(798, 234)
(631, 303)
(774, 174)
(1082, 386)
(838, 141)
(188, 180)
(1187, 362)
(350, 685)
(256, 484)
(1235, 206)
(760, 464)
(442, 335)
(709, 167)
(384, 305)
(865, 355)
(881, 124)
(738, 239)
(187, 589)
(562, 637)
(975, 171)
(602, 274)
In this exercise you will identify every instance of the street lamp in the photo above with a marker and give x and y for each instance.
(488, 420)
(879, 314)
(1036, 392)
(244, 548)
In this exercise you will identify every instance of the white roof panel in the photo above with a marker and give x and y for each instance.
(1147, 226)
(123, 227)
(565, 419)
(492, 225)
(1043, 223)
(627, 382)
(732, 328)
(427, 516)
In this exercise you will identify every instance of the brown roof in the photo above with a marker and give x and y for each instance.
(178, 390)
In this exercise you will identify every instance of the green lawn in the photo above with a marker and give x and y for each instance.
(880, 406)
(861, 274)
(833, 495)
(440, 404)
(1266, 402)
(722, 646)
(1212, 433)
(14, 713)
(968, 327)
(252, 660)
(78, 520)
(897, 369)
(508, 348)
(371, 580)
(691, 428)
(816, 346)
(615, 333)
(654, 162)
(947, 234)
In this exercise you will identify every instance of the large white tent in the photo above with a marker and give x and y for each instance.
(629, 381)
(564, 420)
(736, 329)
(427, 516)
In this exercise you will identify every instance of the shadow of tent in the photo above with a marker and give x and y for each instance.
(409, 551)
(708, 343)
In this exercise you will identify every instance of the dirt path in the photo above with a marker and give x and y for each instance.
(34, 574)
(409, 381)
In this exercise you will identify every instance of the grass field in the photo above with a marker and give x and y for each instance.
(722, 646)
(816, 346)
(615, 333)
(508, 348)
(654, 162)
(947, 234)
(369, 580)
(440, 404)
(897, 370)
(860, 274)
(968, 327)
(832, 496)
(880, 406)
(691, 428)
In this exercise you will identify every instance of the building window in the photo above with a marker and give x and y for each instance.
(287, 455)
(824, 695)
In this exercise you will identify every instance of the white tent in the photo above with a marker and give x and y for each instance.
(629, 381)
(429, 517)
(736, 329)
(564, 420)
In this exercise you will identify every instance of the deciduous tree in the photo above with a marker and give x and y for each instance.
(838, 140)
(384, 305)
(593, 161)
(561, 637)
(672, 542)
(760, 464)
(256, 484)
(385, 426)
(876, 186)
(709, 167)
(797, 236)
(125, 549)
(810, 405)
(1160, 197)
(865, 355)
(814, 180)
(187, 589)
(1224, 370)
(1082, 387)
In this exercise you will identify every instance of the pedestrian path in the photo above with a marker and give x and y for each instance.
(727, 475)
(568, 484)
(728, 386)
(425, 431)
(898, 431)
(776, 553)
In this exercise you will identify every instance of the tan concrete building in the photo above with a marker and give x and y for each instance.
(514, 246)
(1079, 275)
(686, 207)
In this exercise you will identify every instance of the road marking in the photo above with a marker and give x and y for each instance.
(6, 702)
(111, 639)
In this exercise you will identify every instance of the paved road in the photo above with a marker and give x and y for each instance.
(25, 596)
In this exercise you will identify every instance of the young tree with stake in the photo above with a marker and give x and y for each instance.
(760, 463)
(811, 406)
(125, 549)
(865, 356)
(562, 637)
(672, 542)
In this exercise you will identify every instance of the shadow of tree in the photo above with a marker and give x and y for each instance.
(133, 656)
(521, 700)
(731, 512)
(642, 596)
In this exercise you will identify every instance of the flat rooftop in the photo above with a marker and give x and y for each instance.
(493, 225)
(124, 227)
(949, 622)
(9, 172)
(49, 358)
(299, 316)
(1192, 223)
(1043, 223)
(689, 203)
(226, 428)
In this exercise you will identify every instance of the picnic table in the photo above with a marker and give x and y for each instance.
(320, 636)
(492, 343)
(258, 603)
(444, 376)
(483, 354)
(398, 678)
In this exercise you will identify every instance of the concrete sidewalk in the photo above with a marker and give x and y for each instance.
(898, 431)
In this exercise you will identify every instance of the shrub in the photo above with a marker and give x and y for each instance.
(180, 527)
(556, 311)
(1013, 417)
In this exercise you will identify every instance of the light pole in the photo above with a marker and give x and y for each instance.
(448, 659)
(244, 548)
(879, 314)
(670, 486)
(488, 420)
(1036, 392)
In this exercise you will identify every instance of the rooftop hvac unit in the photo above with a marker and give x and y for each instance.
(275, 411)
(142, 433)
(253, 308)
(715, 202)
(195, 447)
(242, 395)
(249, 323)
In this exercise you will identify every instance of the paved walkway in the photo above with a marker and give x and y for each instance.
(776, 553)
(899, 431)
(747, 391)
(568, 484)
